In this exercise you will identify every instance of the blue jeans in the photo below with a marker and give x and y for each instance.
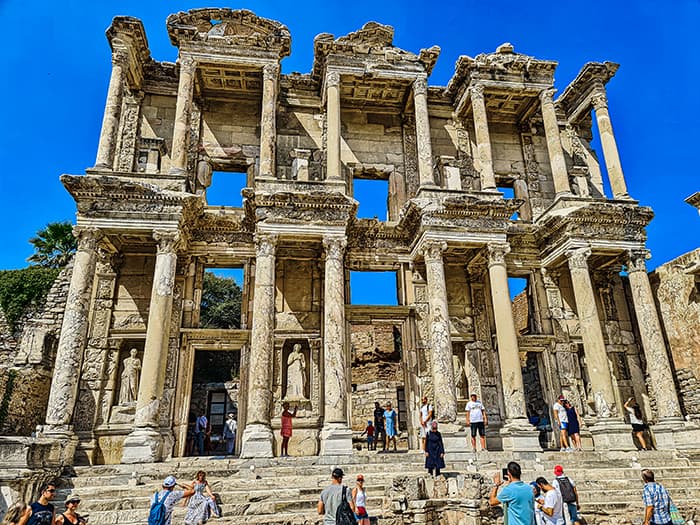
(199, 437)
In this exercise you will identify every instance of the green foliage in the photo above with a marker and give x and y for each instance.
(216, 366)
(221, 302)
(7, 395)
(54, 245)
(22, 289)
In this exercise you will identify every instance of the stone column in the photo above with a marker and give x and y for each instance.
(333, 164)
(71, 345)
(113, 106)
(556, 152)
(442, 372)
(257, 435)
(268, 129)
(183, 106)
(607, 140)
(425, 151)
(144, 443)
(336, 436)
(483, 139)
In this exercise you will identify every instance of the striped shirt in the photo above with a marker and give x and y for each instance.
(657, 496)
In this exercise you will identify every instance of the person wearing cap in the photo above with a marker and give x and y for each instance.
(170, 497)
(359, 496)
(391, 425)
(561, 480)
(229, 435)
(562, 420)
(71, 516)
(331, 496)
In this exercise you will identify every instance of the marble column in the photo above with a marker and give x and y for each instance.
(268, 128)
(554, 148)
(607, 140)
(333, 127)
(183, 107)
(425, 151)
(440, 341)
(144, 443)
(336, 436)
(483, 138)
(72, 341)
(113, 106)
(257, 435)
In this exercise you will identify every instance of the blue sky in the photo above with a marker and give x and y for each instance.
(55, 63)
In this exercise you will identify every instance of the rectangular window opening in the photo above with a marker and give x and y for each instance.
(509, 193)
(373, 196)
(225, 188)
(222, 295)
(373, 288)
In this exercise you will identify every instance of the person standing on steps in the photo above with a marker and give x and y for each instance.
(42, 510)
(359, 496)
(391, 425)
(574, 427)
(332, 495)
(168, 498)
(657, 502)
(229, 435)
(71, 516)
(638, 425)
(569, 495)
(477, 420)
(200, 430)
(380, 432)
(552, 506)
(286, 429)
(562, 421)
(426, 419)
(434, 450)
(516, 495)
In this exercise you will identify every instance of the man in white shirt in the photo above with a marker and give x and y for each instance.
(569, 494)
(562, 421)
(477, 419)
(552, 505)
(426, 419)
(230, 428)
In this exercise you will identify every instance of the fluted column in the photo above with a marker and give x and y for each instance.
(336, 436)
(183, 108)
(71, 345)
(556, 152)
(425, 150)
(144, 442)
(440, 341)
(268, 128)
(257, 436)
(113, 106)
(607, 140)
(333, 166)
(483, 138)
(658, 364)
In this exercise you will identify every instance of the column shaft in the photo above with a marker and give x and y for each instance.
(607, 140)
(183, 108)
(268, 128)
(423, 143)
(113, 106)
(333, 167)
(483, 139)
(556, 152)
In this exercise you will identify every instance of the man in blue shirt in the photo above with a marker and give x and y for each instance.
(657, 502)
(516, 496)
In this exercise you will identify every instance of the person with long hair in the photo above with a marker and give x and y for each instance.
(359, 496)
(574, 429)
(638, 425)
(200, 505)
(71, 516)
(17, 514)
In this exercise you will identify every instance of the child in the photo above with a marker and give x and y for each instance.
(370, 436)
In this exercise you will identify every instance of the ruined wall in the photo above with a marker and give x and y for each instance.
(374, 356)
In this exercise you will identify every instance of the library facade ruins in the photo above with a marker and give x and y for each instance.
(489, 179)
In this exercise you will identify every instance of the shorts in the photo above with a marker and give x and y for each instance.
(477, 427)
(361, 513)
(563, 425)
(370, 440)
(423, 432)
(638, 428)
(573, 511)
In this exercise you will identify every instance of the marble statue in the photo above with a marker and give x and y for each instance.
(128, 392)
(602, 407)
(296, 374)
(459, 375)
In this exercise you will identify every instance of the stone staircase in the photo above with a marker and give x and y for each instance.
(285, 490)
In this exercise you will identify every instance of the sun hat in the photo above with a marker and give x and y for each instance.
(74, 498)
(169, 482)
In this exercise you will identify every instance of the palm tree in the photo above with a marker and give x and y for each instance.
(54, 245)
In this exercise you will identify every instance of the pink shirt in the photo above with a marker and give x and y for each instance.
(286, 424)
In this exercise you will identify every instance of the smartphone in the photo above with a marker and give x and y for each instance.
(504, 474)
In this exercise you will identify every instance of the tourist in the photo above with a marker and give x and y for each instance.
(199, 505)
(331, 497)
(191, 439)
(434, 450)
(168, 498)
(574, 426)
(562, 421)
(71, 516)
(569, 495)
(229, 435)
(17, 514)
(391, 425)
(638, 425)
(370, 435)
(516, 495)
(286, 429)
(426, 418)
(656, 500)
(537, 494)
(359, 496)
(42, 511)
(200, 429)
(380, 432)
(477, 420)
(552, 506)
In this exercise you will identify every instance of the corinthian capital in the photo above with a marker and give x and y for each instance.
(636, 260)
(332, 79)
(334, 247)
(578, 257)
(168, 240)
(270, 71)
(477, 92)
(547, 96)
(420, 86)
(432, 250)
(265, 244)
(599, 100)
(187, 64)
(497, 252)
(88, 238)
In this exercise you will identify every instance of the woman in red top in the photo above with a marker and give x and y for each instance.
(286, 428)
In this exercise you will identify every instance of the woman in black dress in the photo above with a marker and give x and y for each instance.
(434, 451)
(574, 428)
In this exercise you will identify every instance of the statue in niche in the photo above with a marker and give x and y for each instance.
(296, 374)
(129, 389)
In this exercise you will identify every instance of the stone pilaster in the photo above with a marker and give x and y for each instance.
(183, 107)
(336, 436)
(333, 166)
(554, 148)
(268, 128)
(483, 138)
(425, 150)
(144, 443)
(257, 435)
(113, 106)
(129, 131)
(440, 341)
(607, 140)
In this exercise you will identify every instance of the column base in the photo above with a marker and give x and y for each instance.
(336, 440)
(676, 434)
(257, 442)
(517, 435)
(612, 434)
(143, 445)
(63, 444)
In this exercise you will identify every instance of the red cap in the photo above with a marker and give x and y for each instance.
(558, 470)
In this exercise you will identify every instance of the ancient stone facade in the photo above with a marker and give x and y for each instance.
(448, 153)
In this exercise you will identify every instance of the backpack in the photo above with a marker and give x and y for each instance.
(567, 490)
(344, 514)
(158, 513)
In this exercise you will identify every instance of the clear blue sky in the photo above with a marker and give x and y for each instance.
(55, 64)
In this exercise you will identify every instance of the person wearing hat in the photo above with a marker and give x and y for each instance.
(331, 497)
(567, 488)
(229, 435)
(562, 420)
(71, 516)
(359, 496)
(169, 497)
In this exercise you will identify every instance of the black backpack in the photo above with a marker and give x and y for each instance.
(344, 514)
(567, 490)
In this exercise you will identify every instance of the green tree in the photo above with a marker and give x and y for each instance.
(23, 289)
(221, 302)
(54, 245)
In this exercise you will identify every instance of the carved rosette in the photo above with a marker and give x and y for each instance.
(497, 253)
(578, 258)
(636, 260)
